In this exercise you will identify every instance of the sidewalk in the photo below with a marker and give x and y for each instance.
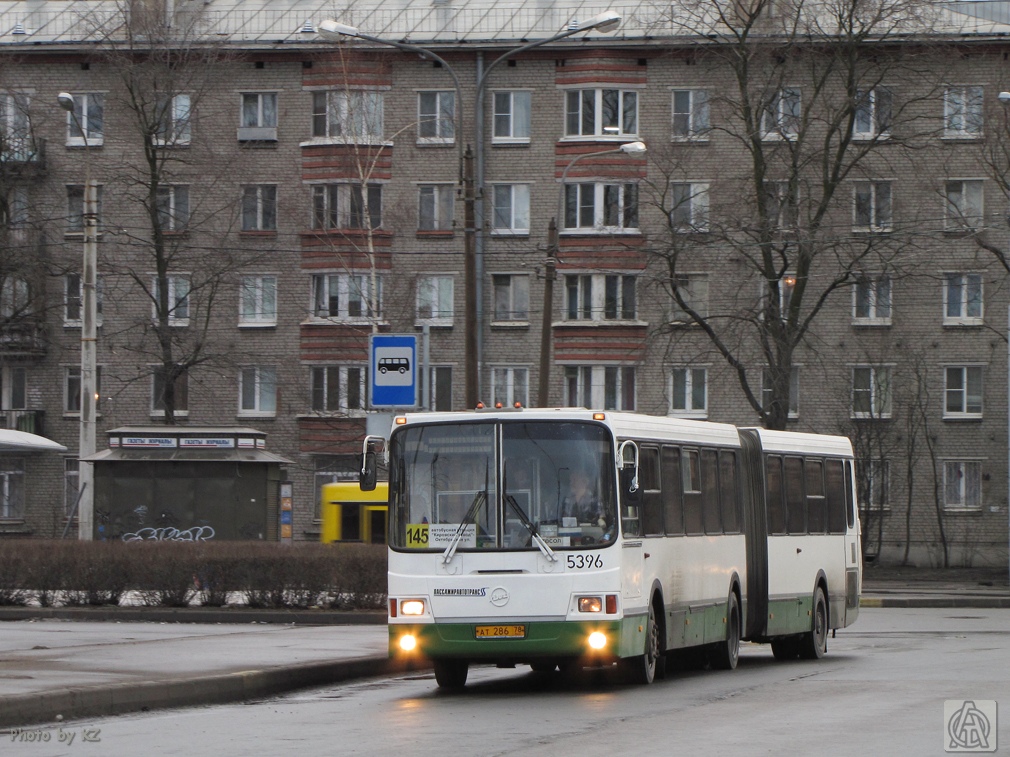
(76, 663)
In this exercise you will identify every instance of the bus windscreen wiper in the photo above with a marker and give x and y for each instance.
(531, 527)
(478, 500)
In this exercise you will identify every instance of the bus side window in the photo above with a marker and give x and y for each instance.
(652, 496)
(773, 484)
(834, 489)
(673, 492)
(795, 506)
(812, 470)
(729, 492)
(850, 510)
(690, 472)
(710, 491)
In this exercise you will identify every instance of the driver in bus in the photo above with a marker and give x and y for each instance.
(582, 502)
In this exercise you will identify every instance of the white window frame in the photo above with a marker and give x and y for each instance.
(349, 288)
(962, 111)
(263, 117)
(173, 207)
(179, 314)
(440, 199)
(440, 376)
(511, 124)
(516, 296)
(348, 116)
(16, 127)
(694, 289)
(75, 209)
(966, 315)
(14, 387)
(962, 483)
(350, 212)
(436, 293)
(176, 127)
(793, 412)
(873, 206)
(343, 375)
(600, 386)
(73, 299)
(964, 204)
(684, 384)
(441, 123)
(873, 112)
(510, 209)
(690, 118)
(590, 297)
(877, 472)
(689, 206)
(88, 117)
(873, 294)
(577, 115)
(72, 390)
(12, 489)
(782, 114)
(966, 405)
(878, 391)
(591, 197)
(15, 298)
(257, 383)
(182, 382)
(257, 300)
(510, 384)
(259, 207)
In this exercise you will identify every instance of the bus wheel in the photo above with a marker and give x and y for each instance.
(450, 674)
(642, 669)
(814, 643)
(786, 648)
(726, 653)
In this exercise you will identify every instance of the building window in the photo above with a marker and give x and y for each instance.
(962, 484)
(15, 298)
(13, 388)
(599, 207)
(259, 207)
(72, 389)
(871, 391)
(435, 300)
(435, 117)
(511, 209)
(780, 118)
(693, 290)
(14, 212)
(257, 390)
(782, 205)
(348, 115)
(873, 113)
(510, 385)
(597, 386)
(72, 299)
(963, 206)
(690, 113)
(86, 124)
(962, 299)
(338, 388)
(874, 477)
(71, 485)
(794, 391)
(872, 205)
(345, 206)
(173, 207)
(689, 211)
(963, 391)
(159, 387)
(511, 117)
(259, 110)
(435, 207)
(689, 392)
(177, 288)
(440, 388)
(511, 297)
(257, 301)
(16, 128)
(345, 296)
(173, 118)
(75, 208)
(601, 112)
(871, 300)
(12, 488)
(598, 297)
(962, 112)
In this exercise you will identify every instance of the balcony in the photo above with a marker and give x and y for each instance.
(25, 339)
(22, 156)
(30, 421)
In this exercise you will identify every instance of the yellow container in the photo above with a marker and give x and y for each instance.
(350, 514)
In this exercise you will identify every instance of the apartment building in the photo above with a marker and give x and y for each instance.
(814, 237)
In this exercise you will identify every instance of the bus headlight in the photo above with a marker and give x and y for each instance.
(597, 640)
(590, 604)
(408, 642)
(412, 607)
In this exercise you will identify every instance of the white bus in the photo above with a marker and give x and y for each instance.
(698, 535)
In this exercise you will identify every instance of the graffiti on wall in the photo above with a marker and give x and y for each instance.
(197, 533)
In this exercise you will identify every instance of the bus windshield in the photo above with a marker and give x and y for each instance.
(494, 484)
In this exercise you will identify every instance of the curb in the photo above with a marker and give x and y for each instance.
(936, 602)
(196, 615)
(117, 699)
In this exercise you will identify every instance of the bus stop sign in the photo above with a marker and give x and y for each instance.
(392, 370)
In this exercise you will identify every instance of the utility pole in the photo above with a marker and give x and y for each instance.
(550, 273)
(470, 274)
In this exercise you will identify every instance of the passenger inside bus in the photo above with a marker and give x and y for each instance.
(583, 502)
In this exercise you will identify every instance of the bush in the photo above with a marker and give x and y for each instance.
(12, 577)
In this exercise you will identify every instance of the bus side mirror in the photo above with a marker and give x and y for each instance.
(368, 475)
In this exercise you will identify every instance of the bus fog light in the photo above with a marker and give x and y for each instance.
(597, 640)
(412, 607)
(408, 642)
(590, 604)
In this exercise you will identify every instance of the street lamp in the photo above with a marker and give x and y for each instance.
(634, 149)
(332, 30)
(89, 335)
(1004, 98)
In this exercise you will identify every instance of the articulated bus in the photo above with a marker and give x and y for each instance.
(699, 535)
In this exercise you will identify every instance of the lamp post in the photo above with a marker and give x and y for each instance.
(332, 30)
(89, 335)
(550, 268)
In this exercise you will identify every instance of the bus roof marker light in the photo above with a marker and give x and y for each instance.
(599, 416)
(400, 420)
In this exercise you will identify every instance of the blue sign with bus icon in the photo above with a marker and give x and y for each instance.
(392, 375)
